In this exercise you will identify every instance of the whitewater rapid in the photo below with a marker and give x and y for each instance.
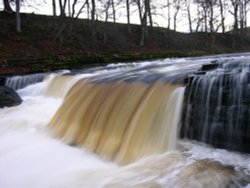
(31, 157)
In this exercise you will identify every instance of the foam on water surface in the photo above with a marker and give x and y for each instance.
(31, 157)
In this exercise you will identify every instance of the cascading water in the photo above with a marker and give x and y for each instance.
(119, 120)
(19, 82)
(116, 126)
(219, 105)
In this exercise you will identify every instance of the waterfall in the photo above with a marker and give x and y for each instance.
(19, 82)
(119, 125)
(121, 121)
(218, 105)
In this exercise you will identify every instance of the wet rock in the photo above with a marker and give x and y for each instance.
(8, 97)
(218, 106)
(2, 80)
(208, 67)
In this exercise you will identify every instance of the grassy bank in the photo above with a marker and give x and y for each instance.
(49, 43)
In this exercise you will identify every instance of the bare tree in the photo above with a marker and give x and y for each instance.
(205, 15)
(106, 10)
(143, 19)
(188, 4)
(93, 12)
(113, 10)
(235, 6)
(107, 5)
(7, 7)
(246, 10)
(76, 15)
(243, 10)
(18, 17)
(140, 9)
(74, 8)
(148, 12)
(177, 6)
(211, 4)
(62, 5)
(54, 7)
(144, 9)
(222, 15)
(128, 15)
(143, 30)
(199, 18)
(169, 13)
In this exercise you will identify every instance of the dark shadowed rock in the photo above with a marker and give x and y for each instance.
(8, 97)
(2, 80)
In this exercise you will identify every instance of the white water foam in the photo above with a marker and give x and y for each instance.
(31, 158)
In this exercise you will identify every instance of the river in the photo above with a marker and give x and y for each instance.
(112, 126)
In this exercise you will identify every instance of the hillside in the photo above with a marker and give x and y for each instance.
(47, 38)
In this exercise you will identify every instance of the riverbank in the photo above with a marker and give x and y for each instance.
(14, 66)
(49, 43)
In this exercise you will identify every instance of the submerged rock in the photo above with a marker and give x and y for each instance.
(8, 97)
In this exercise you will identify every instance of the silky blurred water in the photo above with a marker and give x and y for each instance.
(31, 157)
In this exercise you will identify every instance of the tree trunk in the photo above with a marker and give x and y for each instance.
(128, 15)
(169, 17)
(245, 12)
(222, 16)
(7, 7)
(114, 12)
(143, 30)
(107, 11)
(139, 10)
(93, 11)
(18, 17)
(241, 16)
(88, 9)
(189, 17)
(69, 8)
(80, 10)
(175, 18)
(211, 21)
(93, 18)
(143, 19)
(54, 7)
(148, 12)
(205, 20)
(235, 14)
(62, 7)
(74, 8)
(236, 18)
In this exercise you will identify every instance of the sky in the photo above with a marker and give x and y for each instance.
(160, 19)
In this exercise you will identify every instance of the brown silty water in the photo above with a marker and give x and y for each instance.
(120, 121)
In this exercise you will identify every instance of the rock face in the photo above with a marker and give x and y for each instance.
(2, 80)
(8, 97)
(218, 106)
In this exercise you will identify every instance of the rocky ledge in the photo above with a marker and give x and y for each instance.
(8, 97)
(218, 105)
